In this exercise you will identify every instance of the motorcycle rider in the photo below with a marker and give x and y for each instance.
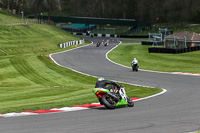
(135, 61)
(98, 44)
(102, 83)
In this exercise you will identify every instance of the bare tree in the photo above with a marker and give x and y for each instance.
(168, 11)
(37, 6)
(53, 7)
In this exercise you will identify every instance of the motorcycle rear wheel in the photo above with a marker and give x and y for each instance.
(108, 102)
(135, 69)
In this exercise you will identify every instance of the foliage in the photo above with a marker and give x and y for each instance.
(167, 11)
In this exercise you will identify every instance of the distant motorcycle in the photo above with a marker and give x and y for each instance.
(111, 100)
(106, 43)
(134, 67)
(98, 44)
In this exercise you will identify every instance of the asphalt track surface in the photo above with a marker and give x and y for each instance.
(176, 111)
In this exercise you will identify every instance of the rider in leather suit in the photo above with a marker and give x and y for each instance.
(101, 83)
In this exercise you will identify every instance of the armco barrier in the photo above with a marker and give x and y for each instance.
(96, 35)
(146, 43)
(173, 51)
(151, 43)
(113, 35)
(67, 44)
(134, 36)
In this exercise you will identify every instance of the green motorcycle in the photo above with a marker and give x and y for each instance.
(111, 100)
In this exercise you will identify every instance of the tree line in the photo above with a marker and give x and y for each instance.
(162, 11)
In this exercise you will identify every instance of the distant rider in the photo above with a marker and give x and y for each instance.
(135, 62)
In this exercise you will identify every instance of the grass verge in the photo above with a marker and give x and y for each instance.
(186, 62)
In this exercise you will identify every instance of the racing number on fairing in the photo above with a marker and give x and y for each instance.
(123, 93)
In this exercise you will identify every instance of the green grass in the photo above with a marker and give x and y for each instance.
(30, 80)
(186, 62)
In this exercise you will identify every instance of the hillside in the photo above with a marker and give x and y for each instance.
(30, 80)
(27, 75)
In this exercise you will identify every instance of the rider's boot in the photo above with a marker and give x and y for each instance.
(100, 102)
(129, 100)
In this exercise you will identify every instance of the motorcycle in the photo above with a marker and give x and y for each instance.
(111, 100)
(98, 44)
(134, 67)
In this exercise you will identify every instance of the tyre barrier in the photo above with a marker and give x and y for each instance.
(173, 51)
(67, 44)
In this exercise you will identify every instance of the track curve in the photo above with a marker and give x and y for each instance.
(176, 111)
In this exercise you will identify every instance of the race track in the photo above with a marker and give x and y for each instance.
(176, 111)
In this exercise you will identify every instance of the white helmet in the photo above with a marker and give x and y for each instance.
(100, 78)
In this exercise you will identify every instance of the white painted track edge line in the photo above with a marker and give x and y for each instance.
(164, 90)
(68, 109)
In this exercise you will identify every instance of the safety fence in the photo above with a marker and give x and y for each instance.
(173, 51)
(67, 44)
(109, 35)
(95, 35)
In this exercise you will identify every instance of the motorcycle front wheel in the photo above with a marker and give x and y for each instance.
(108, 102)
(131, 104)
